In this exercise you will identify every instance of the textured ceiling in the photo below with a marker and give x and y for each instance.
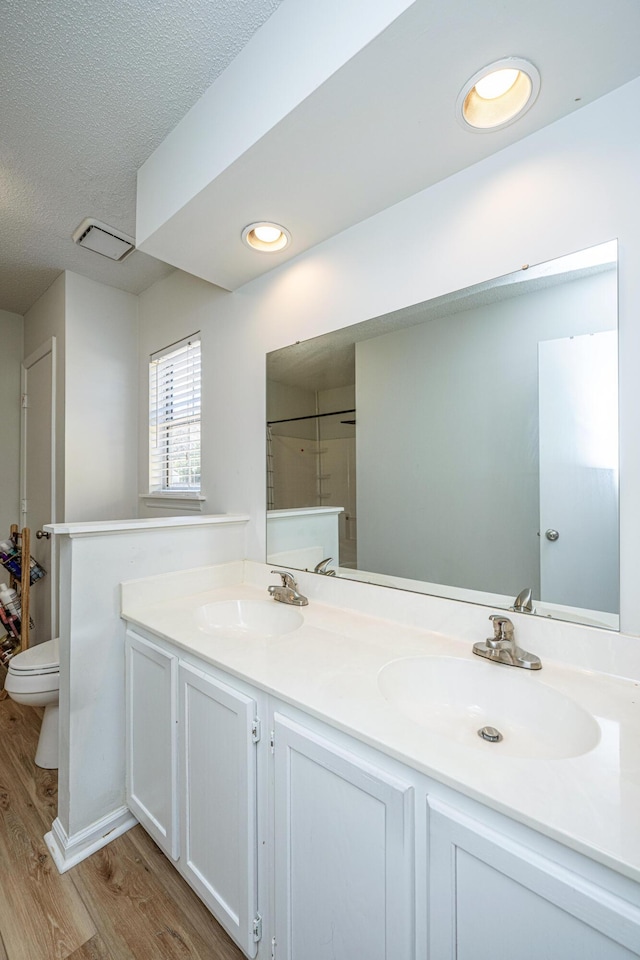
(88, 89)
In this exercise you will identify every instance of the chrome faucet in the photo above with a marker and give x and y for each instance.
(523, 603)
(287, 591)
(322, 568)
(502, 647)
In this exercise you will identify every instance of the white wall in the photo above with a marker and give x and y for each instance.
(10, 357)
(284, 401)
(183, 306)
(569, 186)
(101, 428)
(96, 333)
(447, 451)
(93, 564)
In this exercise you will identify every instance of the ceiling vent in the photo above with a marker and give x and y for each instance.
(103, 239)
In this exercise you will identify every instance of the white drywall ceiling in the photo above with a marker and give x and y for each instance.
(375, 130)
(88, 89)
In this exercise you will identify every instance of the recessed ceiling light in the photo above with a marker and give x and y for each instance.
(497, 95)
(265, 236)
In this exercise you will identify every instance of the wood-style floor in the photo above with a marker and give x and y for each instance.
(125, 902)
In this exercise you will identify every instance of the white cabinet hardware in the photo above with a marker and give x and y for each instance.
(256, 730)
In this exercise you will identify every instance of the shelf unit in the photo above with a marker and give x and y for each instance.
(22, 586)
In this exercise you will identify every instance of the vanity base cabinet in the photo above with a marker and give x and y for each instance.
(491, 896)
(343, 852)
(304, 844)
(219, 849)
(151, 692)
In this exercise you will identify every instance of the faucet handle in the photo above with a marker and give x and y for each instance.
(523, 603)
(287, 578)
(502, 627)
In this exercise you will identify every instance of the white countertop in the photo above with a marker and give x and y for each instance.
(329, 666)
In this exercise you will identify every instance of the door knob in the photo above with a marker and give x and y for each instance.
(42, 535)
(552, 535)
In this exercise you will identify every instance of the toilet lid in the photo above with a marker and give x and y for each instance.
(41, 658)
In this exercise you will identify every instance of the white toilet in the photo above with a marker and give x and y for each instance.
(33, 678)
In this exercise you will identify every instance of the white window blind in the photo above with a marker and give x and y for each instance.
(174, 417)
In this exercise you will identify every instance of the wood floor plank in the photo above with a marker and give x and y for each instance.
(180, 893)
(21, 725)
(126, 902)
(19, 732)
(142, 907)
(42, 916)
(94, 949)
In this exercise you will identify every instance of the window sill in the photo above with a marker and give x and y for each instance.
(190, 502)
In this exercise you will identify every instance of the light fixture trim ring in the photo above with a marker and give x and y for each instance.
(254, 243)
(506, 63)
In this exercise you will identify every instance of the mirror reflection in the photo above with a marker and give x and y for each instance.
(465, 447)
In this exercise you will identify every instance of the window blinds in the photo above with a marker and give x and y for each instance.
(174, 417)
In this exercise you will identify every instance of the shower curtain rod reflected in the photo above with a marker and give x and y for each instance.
(311, 416)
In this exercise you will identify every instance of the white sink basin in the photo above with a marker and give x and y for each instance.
(455, 698)
(249, 619)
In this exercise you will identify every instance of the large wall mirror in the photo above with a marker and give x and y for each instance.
(465, 447)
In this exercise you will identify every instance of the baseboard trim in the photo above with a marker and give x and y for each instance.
(68, 851)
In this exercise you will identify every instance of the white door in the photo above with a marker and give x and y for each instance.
(343, 853)
(38, 478)
(578, 406)
(218, 846)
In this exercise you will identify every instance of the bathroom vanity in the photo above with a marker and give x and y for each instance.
(285, 760)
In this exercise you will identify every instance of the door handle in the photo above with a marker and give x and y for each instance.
(43, 535)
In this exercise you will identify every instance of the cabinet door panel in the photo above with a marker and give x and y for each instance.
(499, 917)
(219, 845)
(493, 897)
(151, 740)
(343, 853)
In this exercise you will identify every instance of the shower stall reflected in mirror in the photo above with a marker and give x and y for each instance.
(311, 457)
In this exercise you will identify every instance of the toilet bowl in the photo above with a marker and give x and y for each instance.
(33, 678)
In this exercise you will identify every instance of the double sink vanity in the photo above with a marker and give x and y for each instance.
(316, 774)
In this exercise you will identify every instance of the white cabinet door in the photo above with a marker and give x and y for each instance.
(151, 681)
(492, 897)
(343, 853)
(218, 777)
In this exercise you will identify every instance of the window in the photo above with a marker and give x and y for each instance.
(174, 418)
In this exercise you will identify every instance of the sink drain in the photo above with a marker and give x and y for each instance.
(490, 734)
